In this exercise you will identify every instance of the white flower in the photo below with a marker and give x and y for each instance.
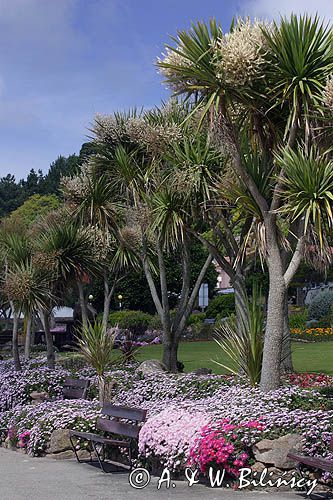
(328, 93)
(240, 53)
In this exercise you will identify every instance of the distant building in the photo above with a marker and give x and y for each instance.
(223, 284)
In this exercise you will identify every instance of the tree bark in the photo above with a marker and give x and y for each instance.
(28, 337)
(270, 375)
(45, 317)
(170, 353)
(240, 295)
(286, 359)
(107, 300)
(15, 348)
(83, 305)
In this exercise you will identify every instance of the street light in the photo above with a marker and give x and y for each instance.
(120, 298)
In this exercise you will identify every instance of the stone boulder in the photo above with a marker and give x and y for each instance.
(151, 366)
(39, 397)
(273, 452)
(202, 371)
(59, 441)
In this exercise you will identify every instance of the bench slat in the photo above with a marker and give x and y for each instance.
(125, 412)
(99, 439)
(319, 463)
(72, 393)
(75, 388)
(115, 427)
(76, 382)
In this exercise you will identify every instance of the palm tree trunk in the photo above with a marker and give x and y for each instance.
(83, 305)
(270, 375)
(107, 300)
(170, 352)
(101, 389)
(240, 300)
(32, 334)
(45, 317)
(286, 361)
(28, 336)
(170, 358)
(15, 348)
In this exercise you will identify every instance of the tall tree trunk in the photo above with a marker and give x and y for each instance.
(28, 336)
(45, 317)
(286, 360)
(15, 348)
(270, 376)
(83, 305)
(107, 300)
(170, 352)
(33, 325)
(240, 294)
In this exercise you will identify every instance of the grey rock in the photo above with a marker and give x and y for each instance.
(59, 441)
(151, 366)
(273, 452)
(202, 371)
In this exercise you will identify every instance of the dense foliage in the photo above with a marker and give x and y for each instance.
(322, 305)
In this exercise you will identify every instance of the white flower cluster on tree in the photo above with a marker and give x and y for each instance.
(328, 93)
(173, 59)
(76, 188)
(240, 54)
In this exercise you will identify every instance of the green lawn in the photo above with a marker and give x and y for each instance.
(316, 357)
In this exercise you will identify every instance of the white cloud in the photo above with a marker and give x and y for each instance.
(273, 8)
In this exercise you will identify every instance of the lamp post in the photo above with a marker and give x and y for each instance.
(120, 298)
(90, 298)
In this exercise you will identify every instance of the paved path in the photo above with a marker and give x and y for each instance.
(25, 478)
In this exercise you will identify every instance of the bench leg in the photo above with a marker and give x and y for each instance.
(99, 457)
(74, 449)
(130, 455)
(300, 471)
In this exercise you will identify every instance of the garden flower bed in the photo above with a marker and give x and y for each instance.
(192, 420)
(312, 334)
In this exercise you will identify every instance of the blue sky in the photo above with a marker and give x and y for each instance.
(64, 60)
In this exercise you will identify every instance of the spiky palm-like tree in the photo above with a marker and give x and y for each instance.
(29, 290)
(99, 206)
(96, 346)
(67, 252)
(137, 170)
(15, 252)
(267, 83)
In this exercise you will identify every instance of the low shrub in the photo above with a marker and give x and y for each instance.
(196, 318)
(136, 322)
(199, 331)
(298, 320)
(223, 305)
(321, 306)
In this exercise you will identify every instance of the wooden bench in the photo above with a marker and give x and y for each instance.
(75, 388)
(323, 464)
(120, 427)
